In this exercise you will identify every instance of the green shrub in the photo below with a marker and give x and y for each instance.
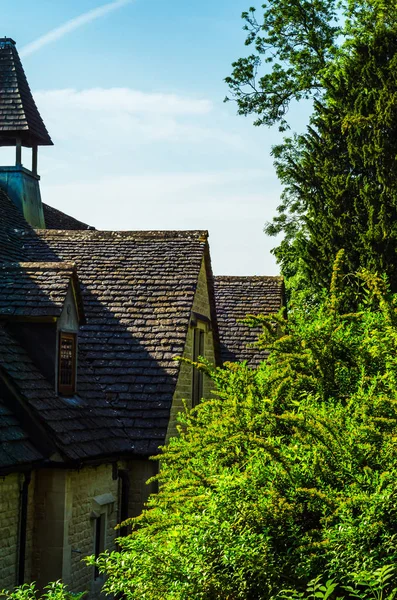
(289, 471)
(53, 591)
(376, 585)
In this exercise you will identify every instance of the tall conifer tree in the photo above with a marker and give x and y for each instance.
(340, 177)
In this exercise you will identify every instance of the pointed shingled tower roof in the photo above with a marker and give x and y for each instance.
(19, 116)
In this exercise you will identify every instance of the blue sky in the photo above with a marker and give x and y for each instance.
(133, 99)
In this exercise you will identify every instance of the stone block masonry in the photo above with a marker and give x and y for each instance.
(67, 504)
(86, 485)
(62, 510)
(9, 528)
(10, 496)
(140, 471)
(183, 391)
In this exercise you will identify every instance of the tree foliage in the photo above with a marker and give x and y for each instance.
(339, 177)
(53, 591)
(340, 184)
(298, 39)
(288, 472)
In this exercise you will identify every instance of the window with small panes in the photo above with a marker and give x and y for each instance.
(67, 363)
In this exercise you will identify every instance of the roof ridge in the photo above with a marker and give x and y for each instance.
(247, 277)
(59, 266)
(201, 235)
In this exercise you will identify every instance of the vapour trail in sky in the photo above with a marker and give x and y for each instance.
(59, 32)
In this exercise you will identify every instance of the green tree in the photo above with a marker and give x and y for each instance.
(297, 39)
(340, 176)
(287, 473)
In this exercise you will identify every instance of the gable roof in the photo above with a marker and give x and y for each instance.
(138, 290)
(16, 447)
(235, 297)
(19, 116)
(80, 427)
(37, 289)
(56, 219)
(12, 223)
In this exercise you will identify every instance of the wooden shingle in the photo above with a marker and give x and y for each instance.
(19, 116)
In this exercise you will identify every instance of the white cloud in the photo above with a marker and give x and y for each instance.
(126, 117)
(125, 100)
(175, 185)
(71, 25)
(128, 159)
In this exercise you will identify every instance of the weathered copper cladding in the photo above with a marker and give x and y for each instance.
(19, 116)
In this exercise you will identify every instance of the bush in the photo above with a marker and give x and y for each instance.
(53, 591)
(375, 585)
(287, 473)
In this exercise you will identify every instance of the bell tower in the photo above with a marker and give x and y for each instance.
(21, 126)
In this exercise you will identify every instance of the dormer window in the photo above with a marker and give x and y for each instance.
(67, 363)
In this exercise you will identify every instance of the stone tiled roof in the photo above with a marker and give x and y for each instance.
(235, 297)
(36, 289)
(16, 447)
(81, 427)
(11, 223)
(56, 219)
(138, 290)
(19, 116)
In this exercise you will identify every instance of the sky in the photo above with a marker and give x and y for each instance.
(132, 92)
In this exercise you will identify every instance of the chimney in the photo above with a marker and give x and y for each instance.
(20, 126)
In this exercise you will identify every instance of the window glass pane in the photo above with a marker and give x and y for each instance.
(67, 363)
(198, 350)
(99, 540)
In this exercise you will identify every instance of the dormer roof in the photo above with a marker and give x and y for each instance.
(38, 290)
(79, 427)
(19, 116)
(16, 446)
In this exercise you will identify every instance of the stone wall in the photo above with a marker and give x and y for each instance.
(66, 504)
(183, 390)
(50, 525)
(139, 472)
(30, 529)
(86, 485)
(10, 496)
(9, 527)
(62, 509)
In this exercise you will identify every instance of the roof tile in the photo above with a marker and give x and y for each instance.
(19, 116)
(138, 290)
(236, 297)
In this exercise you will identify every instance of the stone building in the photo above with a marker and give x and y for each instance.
(90, 325)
